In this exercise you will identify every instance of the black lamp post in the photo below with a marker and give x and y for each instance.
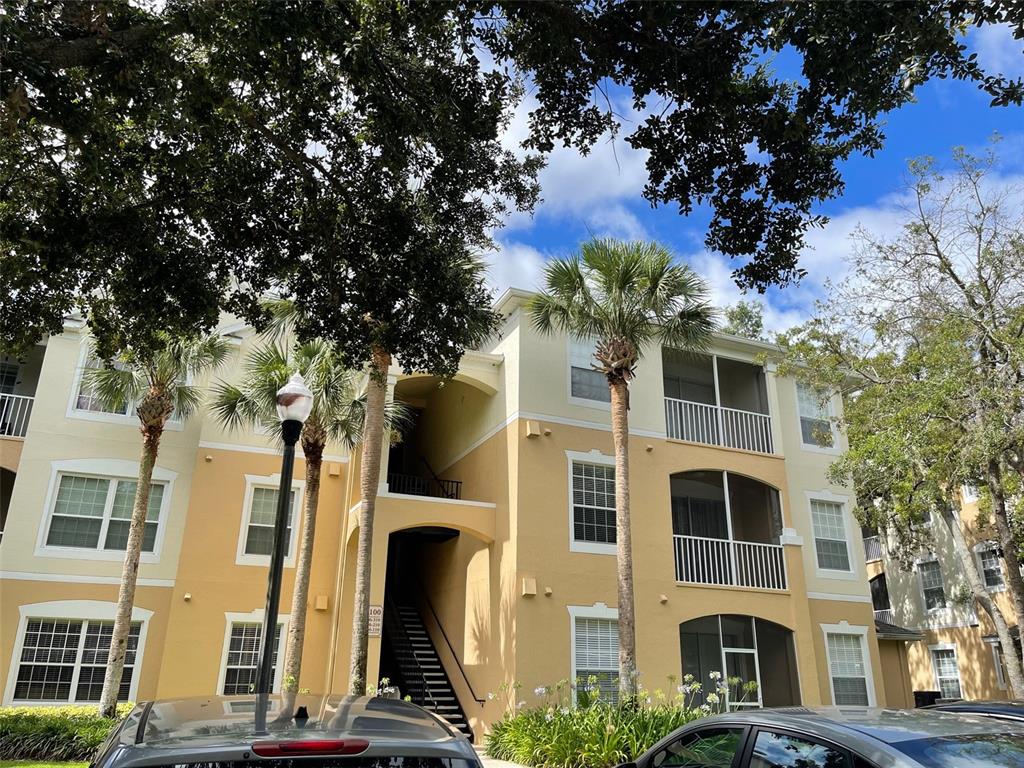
(294, 403)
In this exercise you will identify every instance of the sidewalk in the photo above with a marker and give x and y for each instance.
(490, 762)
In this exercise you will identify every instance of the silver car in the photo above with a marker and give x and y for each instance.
(831, 737)
(313, 731)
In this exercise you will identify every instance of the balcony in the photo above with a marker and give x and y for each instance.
(723, 562)
(15, 411)
(726, 531)
(414, 485)
(716, 401)
(872, 548)
(886, 615)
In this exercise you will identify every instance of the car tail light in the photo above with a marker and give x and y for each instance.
(310, 747)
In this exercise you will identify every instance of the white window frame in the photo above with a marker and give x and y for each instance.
(173, 424)
(843, 628)
(849, 524)
(988, 546)
(595, 611)
(592, 457)
(106, 469)
(272, 482)
(920, 586)
(969, 494)
(832, 411)
(997, 662)
(253, 617)
(935, 668)
(572, 352)
(76, 610)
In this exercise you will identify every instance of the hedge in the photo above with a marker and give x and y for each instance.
(54, 733)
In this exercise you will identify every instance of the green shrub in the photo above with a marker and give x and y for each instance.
(54, 733)
(595, 733)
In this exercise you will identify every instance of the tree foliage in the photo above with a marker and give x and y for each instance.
(744, 318)
(163, 161)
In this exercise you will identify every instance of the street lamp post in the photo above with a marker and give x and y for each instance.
(294, 403)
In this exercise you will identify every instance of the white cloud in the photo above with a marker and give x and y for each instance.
(998, 51)
(514, 265)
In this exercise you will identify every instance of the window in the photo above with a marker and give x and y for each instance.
(584, 382)
(947, 674)
(969, 494)
(593, 503)
(87, 399)
(931, 585)
(64, 660)
(830, 535)
(815, 417)
(707, 748)
(781, 750)
(1000, 665)
(95, 513)
(8, 377)
(848, 669)
(259, 537)
(596, 655)
(991, 568)
(243, 658)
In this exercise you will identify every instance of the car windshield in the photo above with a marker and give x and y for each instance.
(995, 750)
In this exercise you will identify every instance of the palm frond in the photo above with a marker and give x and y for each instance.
(186, 399)
(115, 387)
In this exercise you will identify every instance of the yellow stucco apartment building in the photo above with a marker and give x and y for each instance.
(493, 544)
(956, 652)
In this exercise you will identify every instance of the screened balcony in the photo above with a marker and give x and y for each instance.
(726, 530)
(716, 401)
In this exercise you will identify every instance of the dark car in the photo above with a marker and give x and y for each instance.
(998, 710)
(313, 731)
(832, 737)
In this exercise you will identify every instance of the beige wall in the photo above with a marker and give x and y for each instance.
(895, 669)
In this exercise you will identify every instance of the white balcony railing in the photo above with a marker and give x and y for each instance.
(872, 548)
(885, 615)
(15, 411)
(718, 425)
(725, 562)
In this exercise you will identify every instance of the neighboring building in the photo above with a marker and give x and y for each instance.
(493, 542)
(952, 649)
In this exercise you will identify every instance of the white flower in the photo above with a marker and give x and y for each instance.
(683, 689)
(715, 675)
(687, 678)
(723, 688)
(705, 708)
(490, 695)
(520, 705)
(712, 698)
(564, 710)
(549, 716)
(540, 690)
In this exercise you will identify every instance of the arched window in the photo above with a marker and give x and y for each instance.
(745, 647)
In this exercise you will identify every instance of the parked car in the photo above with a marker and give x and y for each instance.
(833, 737)
(222, 731)
(998, 710)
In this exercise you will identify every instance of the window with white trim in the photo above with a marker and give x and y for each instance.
(847, 669)
(831, 547)
(593, 503)
(584, 382)
(259, 536)
(8, 377)
(969, 494)
(932, 587)
(815, 411)
(947, 673)
(92, 512)
(87, 400)
(991, 568)
(64, 660)
(1000, 665)
(243, 659)
(596, 645)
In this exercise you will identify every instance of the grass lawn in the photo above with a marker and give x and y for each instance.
(38, 764)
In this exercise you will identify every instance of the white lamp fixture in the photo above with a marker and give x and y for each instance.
(294, 400)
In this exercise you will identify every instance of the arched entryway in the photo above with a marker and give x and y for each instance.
(745, 647)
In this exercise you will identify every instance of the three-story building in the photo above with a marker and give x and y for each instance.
(493, 544)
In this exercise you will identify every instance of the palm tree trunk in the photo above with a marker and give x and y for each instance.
(984, 599)
(623, 541)
(130, 572)
(1007, 543)
(300, 596)
(369, 479)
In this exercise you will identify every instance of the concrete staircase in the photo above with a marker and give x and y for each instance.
(423, 677)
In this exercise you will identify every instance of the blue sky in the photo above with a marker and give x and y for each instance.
(601, 194)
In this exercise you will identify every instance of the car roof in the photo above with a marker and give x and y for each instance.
(866, 726)
(232, 719)
(1012, 708)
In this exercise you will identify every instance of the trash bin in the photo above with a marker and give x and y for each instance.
(926, 698)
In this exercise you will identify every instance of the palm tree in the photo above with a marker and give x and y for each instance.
(158, 381)
(625, 296)
(338, 415)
